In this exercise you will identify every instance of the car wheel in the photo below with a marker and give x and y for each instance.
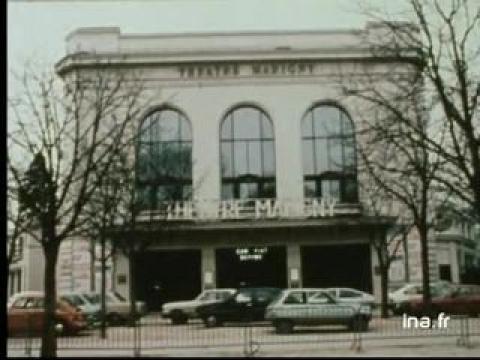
(179, 318)
(283, 326)
(212, 321)
(359, 324)
(60, 328)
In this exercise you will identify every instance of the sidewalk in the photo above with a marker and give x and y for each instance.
(291, 350)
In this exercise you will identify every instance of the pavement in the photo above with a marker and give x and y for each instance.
(408, 348)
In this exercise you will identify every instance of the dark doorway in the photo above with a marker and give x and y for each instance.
(171, 275)
(337, 266)
(259, 266)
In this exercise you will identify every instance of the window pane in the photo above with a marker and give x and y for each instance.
(308, 158)
(226, 159)
(240, 156)
(169, 126)
(254, 158)
(187, 192)
(226, 132)
(227, 191)
(327, 121)
(309, 189)
(184, 160)
(268, 158)
(268, 190)
(331, 189)
(248, 190)
(246, 123)
(267, 128)
(143, 197)
(335, 158)
(350, 192)
(349, 151)
(321, 153)
(168, 193)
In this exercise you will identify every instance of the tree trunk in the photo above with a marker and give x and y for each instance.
(49, 337)
(103, 291)
(427, 297)
(384, 285)
(133, 297)
(93, 278)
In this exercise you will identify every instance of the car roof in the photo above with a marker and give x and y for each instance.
(28, 293)
(221, 289)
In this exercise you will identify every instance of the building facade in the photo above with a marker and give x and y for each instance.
(248, 150)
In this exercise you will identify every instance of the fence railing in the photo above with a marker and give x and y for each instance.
(291, 327)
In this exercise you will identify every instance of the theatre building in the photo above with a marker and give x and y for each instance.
(249, 154)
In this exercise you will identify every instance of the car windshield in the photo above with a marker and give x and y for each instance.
(73, 299)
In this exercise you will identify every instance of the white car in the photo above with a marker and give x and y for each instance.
(180, 311)
(18, 295)
(349, 295)
(117, 307)
(412, 291)
(302, 307)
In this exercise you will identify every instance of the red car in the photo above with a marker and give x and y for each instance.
(26, 316)
(457, 300)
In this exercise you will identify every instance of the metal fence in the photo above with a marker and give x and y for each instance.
(152, 332)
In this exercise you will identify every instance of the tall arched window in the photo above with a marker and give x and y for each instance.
(247, 154)
(329, 158)
(164, 158)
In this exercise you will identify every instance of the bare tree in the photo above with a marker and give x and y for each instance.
(67, 129)
(380, 204)
(393, 156)
(445, 39)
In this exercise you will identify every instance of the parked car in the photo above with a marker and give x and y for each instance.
(349, 295)
(180, 311)
(398, 300)
(26, 316)
(246, 304)
(117, 307)
(458, 300)
(296, 307)
(90, 309)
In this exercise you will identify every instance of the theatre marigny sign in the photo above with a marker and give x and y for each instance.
(217, 70)
(248, 209)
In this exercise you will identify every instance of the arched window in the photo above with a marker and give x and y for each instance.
(164, 159)
(329, 158)
(247, 154)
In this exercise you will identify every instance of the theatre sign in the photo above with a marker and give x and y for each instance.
(250, 209)
(274, 68)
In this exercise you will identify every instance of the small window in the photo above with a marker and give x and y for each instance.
(296, 297)
(349, 294)
(320, 298)
(243, 298)
(19, 303)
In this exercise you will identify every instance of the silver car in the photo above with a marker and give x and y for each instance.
(315, 307)
(180, 311)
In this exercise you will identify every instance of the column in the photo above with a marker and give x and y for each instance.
(208, 268)
(454, 264)
(294, 266)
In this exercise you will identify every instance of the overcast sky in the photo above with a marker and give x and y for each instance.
(37, 28)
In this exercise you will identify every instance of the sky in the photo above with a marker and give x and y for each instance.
(37, 28)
